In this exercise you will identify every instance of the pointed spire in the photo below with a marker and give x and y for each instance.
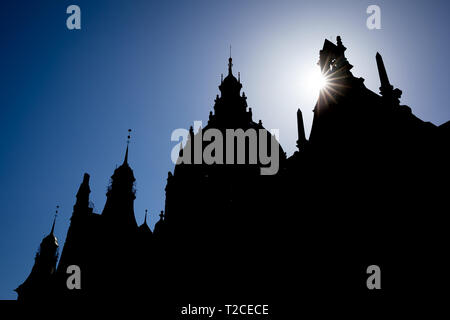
(125, 160)
(145, 218)
(230, 63)
(54, 220)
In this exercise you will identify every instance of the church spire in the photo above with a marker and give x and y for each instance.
(121, 194)
(125, 160)
(54, 220)
(230, 64)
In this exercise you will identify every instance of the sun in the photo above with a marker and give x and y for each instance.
(317, 80)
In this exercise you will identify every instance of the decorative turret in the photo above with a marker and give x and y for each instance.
(119, 207)
(230, 108)
(230, 86)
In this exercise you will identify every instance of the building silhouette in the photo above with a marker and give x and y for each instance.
(364, 189)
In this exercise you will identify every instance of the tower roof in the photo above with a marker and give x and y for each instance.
(125, 160)
(124, 169)
(50, 239)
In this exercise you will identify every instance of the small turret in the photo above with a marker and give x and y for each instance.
(37, 286)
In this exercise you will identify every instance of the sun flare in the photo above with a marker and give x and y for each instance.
(318, 80)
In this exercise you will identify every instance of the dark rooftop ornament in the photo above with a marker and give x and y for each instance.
(125, 161)
(54, 220)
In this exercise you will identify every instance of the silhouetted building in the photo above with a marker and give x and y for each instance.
(355, 192)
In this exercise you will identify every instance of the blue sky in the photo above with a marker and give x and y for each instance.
(67, 98)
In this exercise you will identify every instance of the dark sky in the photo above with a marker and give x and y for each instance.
(67, 97)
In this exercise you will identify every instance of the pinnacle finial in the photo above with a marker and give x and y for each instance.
(161, 215)
(54, 220)
(300, 130)
(145, 217)
(230, 64)
(384, 80)
(125, 160)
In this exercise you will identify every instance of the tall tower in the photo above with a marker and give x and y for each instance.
(38, 285)
(119, 207)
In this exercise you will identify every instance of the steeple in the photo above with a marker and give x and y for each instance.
(230, 64)
(125, 160)
(119, 205)
(54, 220)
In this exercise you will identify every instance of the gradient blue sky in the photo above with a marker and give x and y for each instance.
(67, 98)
